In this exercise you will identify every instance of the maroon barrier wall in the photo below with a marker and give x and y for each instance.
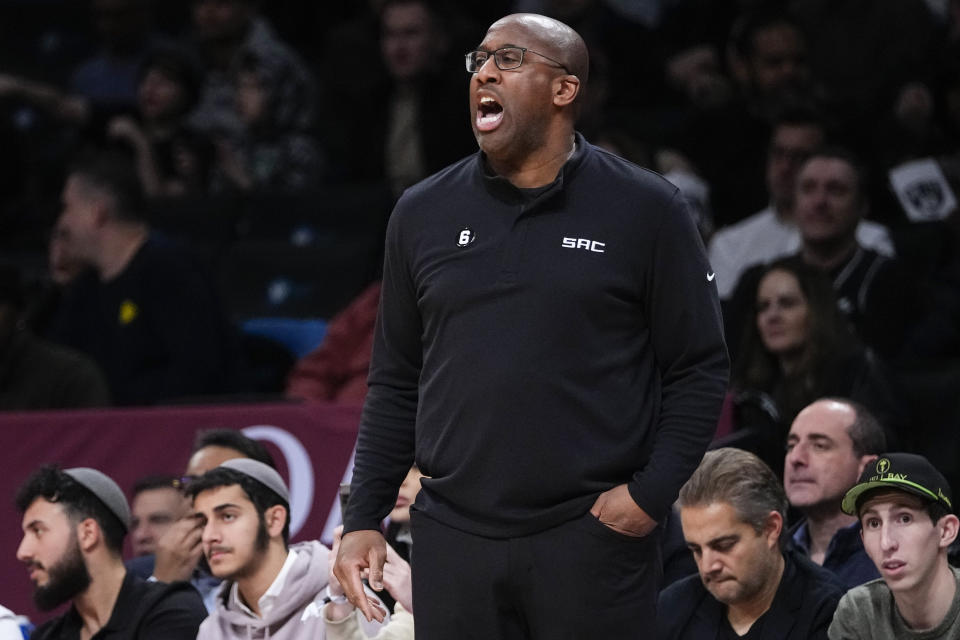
(311, 442)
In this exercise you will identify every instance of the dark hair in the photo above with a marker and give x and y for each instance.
(53, 485)
(828, 337)
(233, 439)
(799, 115)
(740, 479)
(180, 65)
(113, 173)
(11, 286)
(259, 494)
(157, 481)
(835, 152)
(865, 432)
(744, 31)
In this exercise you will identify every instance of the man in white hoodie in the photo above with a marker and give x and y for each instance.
(270, 589)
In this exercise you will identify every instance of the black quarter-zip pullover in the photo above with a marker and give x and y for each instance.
(533, 352)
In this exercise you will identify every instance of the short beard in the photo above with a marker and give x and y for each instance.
(68, 577)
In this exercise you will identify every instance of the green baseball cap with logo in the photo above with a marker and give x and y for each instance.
(903, 472)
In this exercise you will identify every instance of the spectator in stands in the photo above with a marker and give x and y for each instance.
(273, 587)
(35, 374)
(274, 153)
(226, 32)
(105, 84)
(157, 504)
(411, 127)
(895, 43)
(772, 232)
(171, 158)
(74, 522)
(733, 512)
(179, 554)
(146, 314)
(906, 512)
(337, 369)
(341, 620)
(829, 445)
(796, 349)
(873, 292)
(726, 143)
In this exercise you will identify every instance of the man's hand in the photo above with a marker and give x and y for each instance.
(360, 550)
(617, 509)
(178, 550)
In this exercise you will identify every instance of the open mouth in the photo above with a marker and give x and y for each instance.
(489, 114)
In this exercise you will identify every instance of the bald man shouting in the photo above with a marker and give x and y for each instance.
(549, 353)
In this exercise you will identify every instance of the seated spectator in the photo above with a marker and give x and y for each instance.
(905, 508)
(273, 152)
(272, 587)
(340, 614)
(772, 232)
(157, 504)
(412, 125)
(145, 313)
(35, 374)
(873, 292)
(104, 84)
(226, 32)
(171, 158)
(766, 53)
(829, 445)
(74, 522)
(733, 511)
(179, 553)
(796, 349)
(337, 369)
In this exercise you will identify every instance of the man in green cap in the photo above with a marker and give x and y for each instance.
(905, 508)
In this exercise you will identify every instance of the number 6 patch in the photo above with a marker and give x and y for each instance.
(467, 236)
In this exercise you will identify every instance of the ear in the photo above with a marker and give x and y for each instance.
(949, 526)
(275, 517)
(88, 534)
(566, 88)
(773, 528)
(864, 461)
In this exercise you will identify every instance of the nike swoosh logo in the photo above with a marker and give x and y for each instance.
(711, 276)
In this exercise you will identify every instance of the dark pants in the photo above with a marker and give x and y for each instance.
(577, 581)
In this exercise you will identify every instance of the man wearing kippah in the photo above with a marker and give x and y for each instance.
(74, 523)
(271, 588)
(905, 508)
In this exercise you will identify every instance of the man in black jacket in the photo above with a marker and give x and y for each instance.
(549, 352)
(74, 523)
(733, 511)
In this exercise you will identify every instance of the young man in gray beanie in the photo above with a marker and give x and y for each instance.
(74, 523)
(271, 589)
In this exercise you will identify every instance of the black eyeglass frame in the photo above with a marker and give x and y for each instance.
(497, 53)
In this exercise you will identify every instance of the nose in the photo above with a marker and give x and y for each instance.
(709, 562)
(488, 71)
(888, 541)
(210, 534)
(797, 456)
(24, 551)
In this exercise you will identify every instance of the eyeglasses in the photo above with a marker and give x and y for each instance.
(506, 58)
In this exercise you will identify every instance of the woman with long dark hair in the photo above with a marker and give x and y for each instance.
(797, 348)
